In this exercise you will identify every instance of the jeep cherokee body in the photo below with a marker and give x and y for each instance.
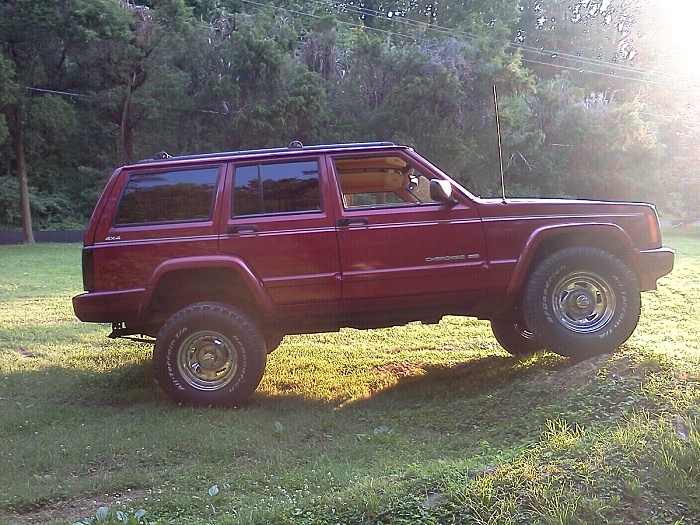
(218, 256)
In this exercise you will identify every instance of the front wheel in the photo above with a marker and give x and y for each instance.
(515, 336)
(209, 354)
(582, 302)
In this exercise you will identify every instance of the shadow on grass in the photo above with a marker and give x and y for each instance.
(401, 385)
(134, 384)
(127, 385)
(480, 377)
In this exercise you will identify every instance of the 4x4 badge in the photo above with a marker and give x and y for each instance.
(113, 238)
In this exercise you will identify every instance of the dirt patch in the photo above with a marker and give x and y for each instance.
(73, 510)
(617, 367)
(577, 374)
(399, 370)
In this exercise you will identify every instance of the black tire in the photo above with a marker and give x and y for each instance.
(209, 354)
(272, 340)
(582, 302)
(515, 336)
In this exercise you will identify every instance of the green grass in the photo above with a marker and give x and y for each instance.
(416, 424)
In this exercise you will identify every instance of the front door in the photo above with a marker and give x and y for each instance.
(395, 240)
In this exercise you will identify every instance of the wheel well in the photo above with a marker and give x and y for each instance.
(179, 288)
(607, 242)
(601, 240)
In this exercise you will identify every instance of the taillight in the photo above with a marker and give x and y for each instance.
(654, 234)
(88, 269)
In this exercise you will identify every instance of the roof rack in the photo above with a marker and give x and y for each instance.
(293, 146)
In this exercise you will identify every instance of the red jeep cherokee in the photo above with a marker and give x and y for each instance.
(218, 256)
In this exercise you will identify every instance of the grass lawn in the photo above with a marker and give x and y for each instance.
(415, 424)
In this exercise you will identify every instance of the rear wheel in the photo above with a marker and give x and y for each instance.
(515, 336)
(209, 354)
(582, 302)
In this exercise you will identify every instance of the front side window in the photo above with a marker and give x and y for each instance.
(286, 187)
(388, 181)
(168, 196)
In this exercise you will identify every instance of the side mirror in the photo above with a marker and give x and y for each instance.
(441, 191)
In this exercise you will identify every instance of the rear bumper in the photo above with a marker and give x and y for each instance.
(653, 264)
(109, 307)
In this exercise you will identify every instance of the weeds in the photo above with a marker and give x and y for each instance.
(107, 516)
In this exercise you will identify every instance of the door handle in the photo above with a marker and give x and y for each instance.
(240, 228)
(353, 220)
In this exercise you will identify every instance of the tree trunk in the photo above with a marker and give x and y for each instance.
(17, 133)
(126, 132)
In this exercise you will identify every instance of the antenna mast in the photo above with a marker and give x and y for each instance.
(500, 149)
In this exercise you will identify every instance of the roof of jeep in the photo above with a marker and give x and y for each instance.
(294, 147)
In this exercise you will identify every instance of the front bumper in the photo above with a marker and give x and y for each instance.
(653, 264)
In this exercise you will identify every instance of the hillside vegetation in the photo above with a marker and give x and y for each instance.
(593, 96)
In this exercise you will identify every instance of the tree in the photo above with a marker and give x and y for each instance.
(115, 68)
(8, 90)
(256, 91)
(29, 35)
(38, 38)
(595, 42)
(186, 76)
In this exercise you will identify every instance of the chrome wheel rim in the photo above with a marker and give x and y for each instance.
(583, 302)
(207, 361)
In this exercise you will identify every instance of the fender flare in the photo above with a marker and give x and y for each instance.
(596, 231)
(236, 264)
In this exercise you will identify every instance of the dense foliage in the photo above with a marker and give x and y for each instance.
(86, 85)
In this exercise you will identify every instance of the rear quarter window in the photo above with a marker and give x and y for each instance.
(168, 196)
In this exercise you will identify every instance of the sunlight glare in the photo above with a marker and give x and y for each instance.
(682, 19)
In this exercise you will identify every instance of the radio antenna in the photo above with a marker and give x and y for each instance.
(500, 149)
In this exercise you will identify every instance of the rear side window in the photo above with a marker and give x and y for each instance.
(168, 196)
(286, 187)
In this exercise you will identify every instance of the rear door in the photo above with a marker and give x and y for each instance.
(395, 240)
(278, 220)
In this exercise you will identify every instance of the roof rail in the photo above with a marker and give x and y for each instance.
(294, 145)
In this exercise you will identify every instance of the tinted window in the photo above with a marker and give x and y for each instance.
(276, 188)
(169, 196)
